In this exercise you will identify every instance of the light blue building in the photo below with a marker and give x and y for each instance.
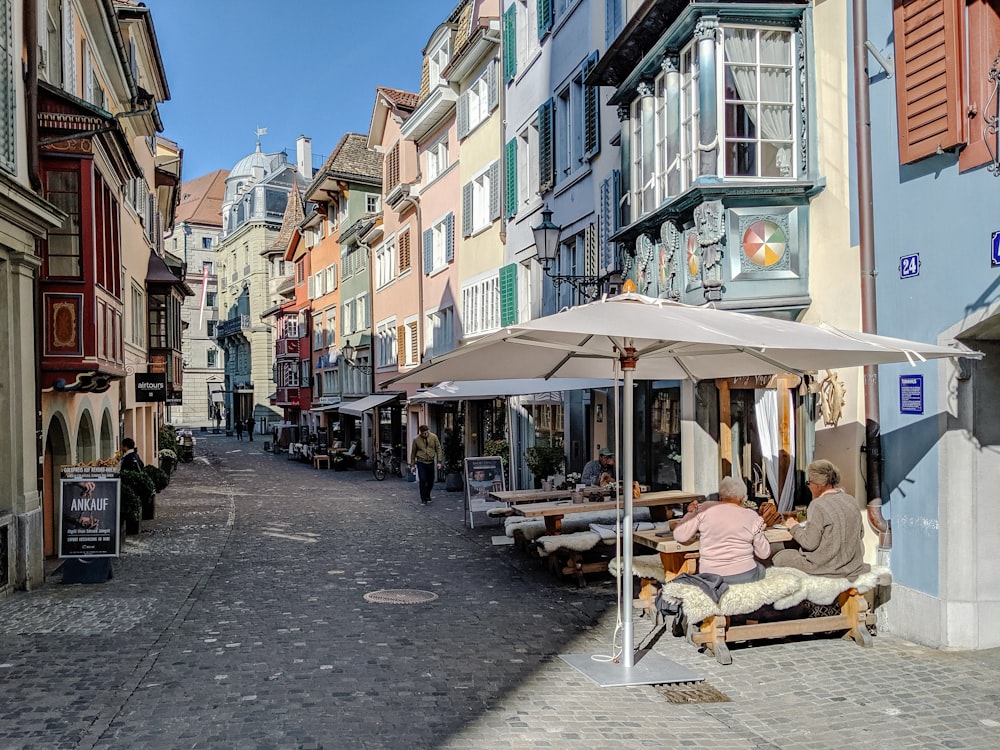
(933, 93)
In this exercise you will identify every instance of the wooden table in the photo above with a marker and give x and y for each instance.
(553, 512)
(680, 558)
(514, 497)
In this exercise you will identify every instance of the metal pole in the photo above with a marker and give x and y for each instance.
(628, 370)
(869, 324)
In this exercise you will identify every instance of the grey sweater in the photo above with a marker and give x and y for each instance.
(830, 541)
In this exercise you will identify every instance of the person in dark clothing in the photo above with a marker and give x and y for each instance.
(239, 429)
(250, 429)
(130, 456)
(425, 457)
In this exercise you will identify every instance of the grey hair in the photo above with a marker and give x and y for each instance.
(733, 488)
(823, 473)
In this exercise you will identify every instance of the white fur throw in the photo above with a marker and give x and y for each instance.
(532, 528)
(579, 541)
(781, 587)
(643, 566)
(609, 531)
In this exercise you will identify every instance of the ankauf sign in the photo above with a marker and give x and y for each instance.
(151, 386)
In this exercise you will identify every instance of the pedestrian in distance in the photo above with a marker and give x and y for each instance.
(250, 426)
(425, 459)
(130, 456)
(239, 429)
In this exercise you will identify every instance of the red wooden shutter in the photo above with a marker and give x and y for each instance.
(983, 23)
(929, 75)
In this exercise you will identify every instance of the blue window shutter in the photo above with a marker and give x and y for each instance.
(508, 294)
(546, 146)
(463, 115)
(449, 238)
(493, 95)
(495, 190)
(612, 20)
(510, 154)
(467, 209)
(616, 197)
(428, 249)
(605, 219)
(544, 17)
(591, 111)
(510, 43)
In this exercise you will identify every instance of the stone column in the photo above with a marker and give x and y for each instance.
(706, 32)
(672, 124)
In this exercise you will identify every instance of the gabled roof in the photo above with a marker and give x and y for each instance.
(385, 99)
(294, 214)
(201, 200)
(401, 99)
(351, 160)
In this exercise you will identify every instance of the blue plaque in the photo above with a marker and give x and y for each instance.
(909, 266)
(911, 394)
(995, 253)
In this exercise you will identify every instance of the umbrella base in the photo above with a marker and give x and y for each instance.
(649, 668)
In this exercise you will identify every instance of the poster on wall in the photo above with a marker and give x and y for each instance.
(483, 475)
(89, 517)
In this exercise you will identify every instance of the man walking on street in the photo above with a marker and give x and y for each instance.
(239, 428)
(425, 458)
(250, 429)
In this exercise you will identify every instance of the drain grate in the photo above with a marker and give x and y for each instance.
(691, 692)
(400, 596)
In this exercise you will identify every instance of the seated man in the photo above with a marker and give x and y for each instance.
(731, 535)
(599, 471)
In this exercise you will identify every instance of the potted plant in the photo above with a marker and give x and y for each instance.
(453, 454)
(168, 459)
(501, 448)
(137, 484)
(544, 460)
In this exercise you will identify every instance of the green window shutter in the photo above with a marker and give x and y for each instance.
(8, 90)
(546, 146)
(510, 155)
(591, 112)
(509, 43)
(544, 17)
(508, 295)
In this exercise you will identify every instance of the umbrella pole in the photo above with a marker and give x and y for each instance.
(628, 450)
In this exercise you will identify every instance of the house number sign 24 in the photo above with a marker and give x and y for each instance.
(909, 266)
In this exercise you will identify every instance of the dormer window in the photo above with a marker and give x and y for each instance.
(437, 60)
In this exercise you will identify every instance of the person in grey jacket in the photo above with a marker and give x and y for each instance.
(829, 539)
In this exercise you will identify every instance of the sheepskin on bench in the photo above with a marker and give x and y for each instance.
(643, 566)
(532, 528)
(781, 587)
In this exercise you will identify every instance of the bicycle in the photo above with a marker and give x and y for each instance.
(385, 463)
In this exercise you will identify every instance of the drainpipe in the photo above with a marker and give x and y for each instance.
(863, 128)
(415, 202)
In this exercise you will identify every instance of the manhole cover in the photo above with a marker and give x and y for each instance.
(691, 692)
(400, 596)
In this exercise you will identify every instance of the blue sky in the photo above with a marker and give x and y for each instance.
(295, 67)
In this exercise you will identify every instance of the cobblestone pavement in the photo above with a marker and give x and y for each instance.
(238, 619)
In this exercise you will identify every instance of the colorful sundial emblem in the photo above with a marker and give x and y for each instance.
(764, 243)
(692, 254)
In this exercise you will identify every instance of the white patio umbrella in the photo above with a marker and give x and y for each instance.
(656, 339)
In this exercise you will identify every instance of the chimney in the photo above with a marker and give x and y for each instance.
(304, 156)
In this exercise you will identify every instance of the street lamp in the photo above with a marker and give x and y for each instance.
(547, 251)
(348, 351)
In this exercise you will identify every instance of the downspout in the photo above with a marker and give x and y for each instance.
(869, 324)
(31, 94)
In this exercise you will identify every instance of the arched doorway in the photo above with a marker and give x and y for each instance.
(86, 443)
(57, 455)
(107, 436)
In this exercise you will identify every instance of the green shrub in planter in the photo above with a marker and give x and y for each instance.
(131, 504)
(142, 485)
(160, 478)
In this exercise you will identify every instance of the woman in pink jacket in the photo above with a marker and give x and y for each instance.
(732, 537)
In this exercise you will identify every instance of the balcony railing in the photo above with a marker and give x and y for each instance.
(233, 325)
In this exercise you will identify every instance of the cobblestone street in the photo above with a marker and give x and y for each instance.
(238, 619)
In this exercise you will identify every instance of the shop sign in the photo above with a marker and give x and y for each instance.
(150, 386)
(89, 517)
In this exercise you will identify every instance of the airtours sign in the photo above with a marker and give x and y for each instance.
(150, 386)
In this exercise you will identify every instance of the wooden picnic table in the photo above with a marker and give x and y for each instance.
(553, 512)
(513, 497)
(680, 558)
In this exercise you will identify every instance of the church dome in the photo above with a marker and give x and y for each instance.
(245, 166)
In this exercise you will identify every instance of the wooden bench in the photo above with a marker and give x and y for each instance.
(751, 611)
(321, 461)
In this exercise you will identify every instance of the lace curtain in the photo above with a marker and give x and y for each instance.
(772, 112)
(766, 411)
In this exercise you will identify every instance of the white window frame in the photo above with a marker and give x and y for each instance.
(437, 60)
(527, 162)
(568, 129)
(385, 263)
(526, 32)
(481, 188)
(437, 159)
(439, 247)
(481, 305)
(373, 203)
(386, 345)
(478, 98)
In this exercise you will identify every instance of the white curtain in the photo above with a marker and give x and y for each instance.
(766, 411)
(774, 97)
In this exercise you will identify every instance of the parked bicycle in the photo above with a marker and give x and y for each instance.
(387, 462)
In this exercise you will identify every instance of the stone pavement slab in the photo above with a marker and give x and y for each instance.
(238, 618)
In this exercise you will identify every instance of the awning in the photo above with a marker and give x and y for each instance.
(458, 390)
(326, 407)
(359, 407)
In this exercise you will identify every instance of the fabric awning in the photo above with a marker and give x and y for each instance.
(326, 407)
(359, 407)
(458, 390)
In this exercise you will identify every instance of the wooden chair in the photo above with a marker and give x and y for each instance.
(321, 460)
